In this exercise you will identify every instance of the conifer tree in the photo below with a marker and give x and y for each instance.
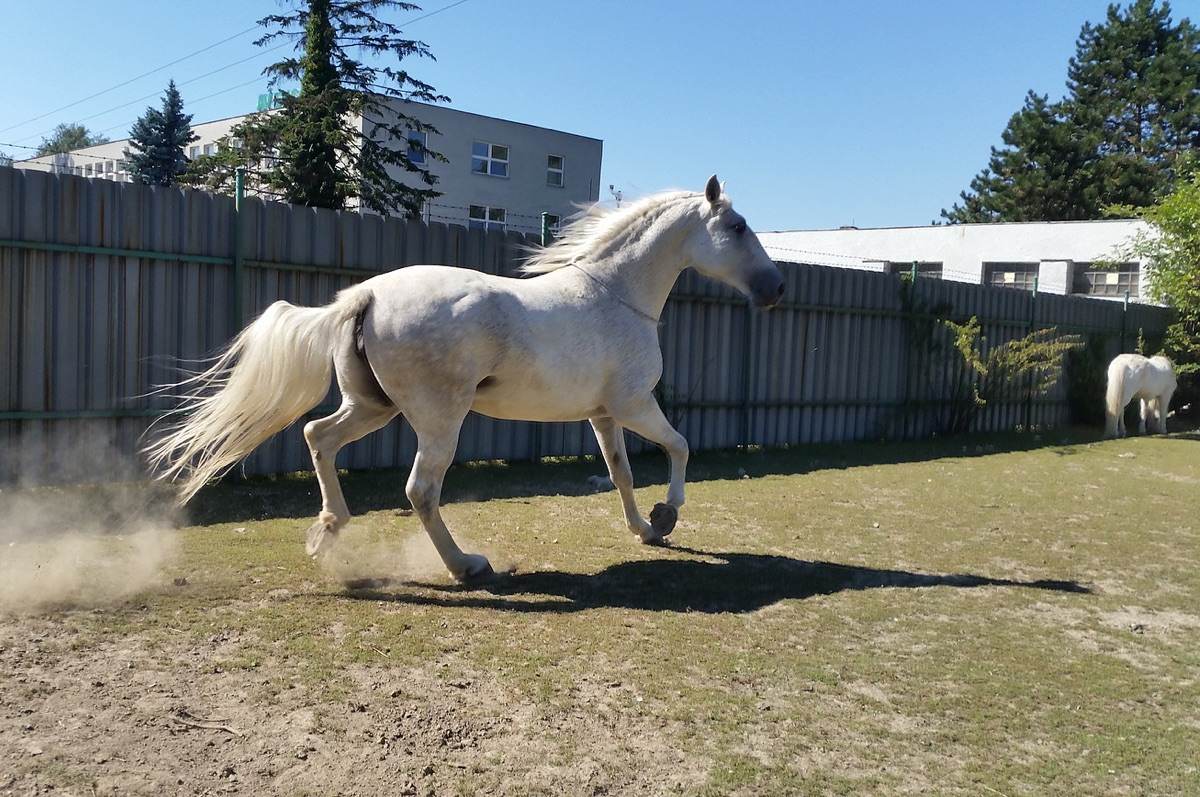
(1132, 109)
(341, 138)
(158, 140)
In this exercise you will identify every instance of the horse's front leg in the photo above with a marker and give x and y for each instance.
(644, 417)
(611, 438)
(437, 427)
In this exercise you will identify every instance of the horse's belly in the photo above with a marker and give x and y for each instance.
(527, 399)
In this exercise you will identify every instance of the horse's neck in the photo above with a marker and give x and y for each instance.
(645, 267)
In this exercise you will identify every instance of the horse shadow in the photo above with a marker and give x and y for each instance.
(717, 583)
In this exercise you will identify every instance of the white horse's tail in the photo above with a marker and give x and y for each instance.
(274, 371)
(1113, 407)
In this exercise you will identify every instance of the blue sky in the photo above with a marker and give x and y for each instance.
(815, 114)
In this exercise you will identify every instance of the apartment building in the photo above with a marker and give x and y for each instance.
(498, 174)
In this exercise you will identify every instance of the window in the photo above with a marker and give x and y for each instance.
(482, 217)
(552, 221)
(109, 166)
(87, 170)
(416, 146)
(235, 143)
(554, 170)
(193, 152)
(490, 159)
(1011, 275)
(1091, 280)
(925, 268)
(210, 149)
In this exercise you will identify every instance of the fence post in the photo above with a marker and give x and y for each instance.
(1031, 378)
(747, 353)
(239, 194)
(1124, 320)
(536, 444)
(913, 273)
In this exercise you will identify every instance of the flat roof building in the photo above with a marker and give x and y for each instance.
(1062, 257)
(499, 174)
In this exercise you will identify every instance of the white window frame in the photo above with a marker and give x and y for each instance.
(210, 149)
(487, 219)
(490, 159)
(193, 152)
(554, 222)
(561, 171)
(417, 136)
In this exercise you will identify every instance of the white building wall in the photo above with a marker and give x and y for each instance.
(524, 193)
(965, 249)
(109, 157)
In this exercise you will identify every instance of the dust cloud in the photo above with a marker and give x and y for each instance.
(362, 557)
(81, 545)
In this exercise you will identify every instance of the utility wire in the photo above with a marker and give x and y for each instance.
(181, 83)
(132, 79)
(191, 80)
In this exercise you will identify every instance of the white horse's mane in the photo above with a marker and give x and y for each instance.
(594, 227)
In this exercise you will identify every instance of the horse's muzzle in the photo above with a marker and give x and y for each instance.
(766, 289)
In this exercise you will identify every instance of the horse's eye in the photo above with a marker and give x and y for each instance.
(739, 228)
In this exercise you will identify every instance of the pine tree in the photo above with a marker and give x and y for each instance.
(1132, 108)
(1042, 172)
(338, 141)
(158, 139)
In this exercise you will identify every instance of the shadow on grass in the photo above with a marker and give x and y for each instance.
(296, 495)
(721, 582)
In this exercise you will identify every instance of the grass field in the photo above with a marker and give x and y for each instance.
(1008, 616)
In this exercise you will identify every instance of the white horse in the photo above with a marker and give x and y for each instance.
(1152, 380)
(577, 340)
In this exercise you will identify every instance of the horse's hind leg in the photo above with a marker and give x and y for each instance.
(1147, 407)
(326, 437)
(437, 427)
(612, 444)
(1164, 410)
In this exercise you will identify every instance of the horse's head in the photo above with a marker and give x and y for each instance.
(724, 248)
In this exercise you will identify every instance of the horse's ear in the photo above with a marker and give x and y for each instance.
(712, 191)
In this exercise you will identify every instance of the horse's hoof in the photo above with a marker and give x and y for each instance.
(321, 535)
(663, 518)
(478, 571)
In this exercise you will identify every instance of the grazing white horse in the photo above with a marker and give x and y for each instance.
(1150, 379)
(576, 340)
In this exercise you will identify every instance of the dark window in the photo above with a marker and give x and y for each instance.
(1091, 280)
(928, 269)
(1022, 276)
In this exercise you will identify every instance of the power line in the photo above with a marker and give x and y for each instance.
(191, 80)
(252, 81)
(181, 83)
(131, 80)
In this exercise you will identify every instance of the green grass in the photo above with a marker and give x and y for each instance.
(1015, 617)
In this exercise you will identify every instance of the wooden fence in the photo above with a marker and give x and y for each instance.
(107, 288)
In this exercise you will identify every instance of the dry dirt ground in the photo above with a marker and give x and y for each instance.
(988, 617)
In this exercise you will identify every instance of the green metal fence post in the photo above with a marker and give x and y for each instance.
(913, 273)
(538, 432)
(1124, 320)
(1031, 378)
(747, 354)
(239, 195)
